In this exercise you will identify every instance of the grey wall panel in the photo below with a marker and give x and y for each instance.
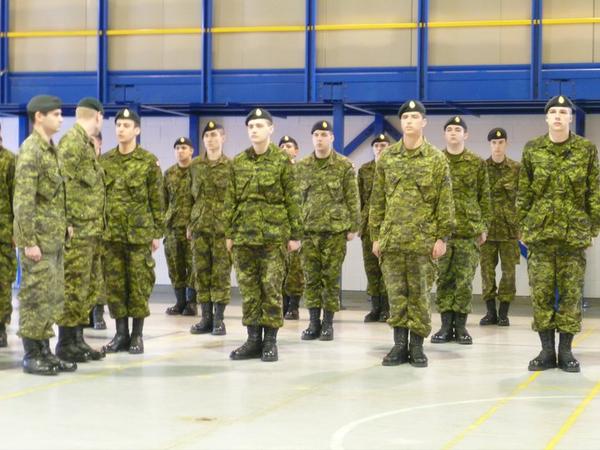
(237, 13)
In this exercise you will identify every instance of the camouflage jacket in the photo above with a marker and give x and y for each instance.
(504, 179)
(262, 204)
(7, 189)
(328, 194)
(39, 199)
(411, 202)
(471, 193)
(559, 191)
(84, 183)
(178, 196)
(210, 181)
(366, 176)
(134, 196)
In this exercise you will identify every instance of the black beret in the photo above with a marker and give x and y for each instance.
(43, 104)
(128, 114)
(456, 120)
(380, 138)
(285, 139)
(321, 125)
(412, 106)
(210, 126)
(91, 103)
(559, 100)
(497, 133)
(258, 113)
(183, 141)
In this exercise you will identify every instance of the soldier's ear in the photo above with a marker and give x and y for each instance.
(137, 130)
(466, 135)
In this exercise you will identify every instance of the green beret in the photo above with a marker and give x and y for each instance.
(43, 104)
(286, 139)
(183, 141)
(380, 138)
(559, 100)
(497, 133)
(211, 125)
(91, 103)
(258, 113)
(412, 106)
(456, 120)
(128, 114)
(321, 125)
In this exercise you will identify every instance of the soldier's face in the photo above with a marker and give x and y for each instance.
(51, 121)
(378, 147)
(183, 153)
(322, 140)
(498, 148)
(290, 149)
(455, 134)
(559, 118)
(213, 140)
(126, 131)
(412, 123)
(259, 130)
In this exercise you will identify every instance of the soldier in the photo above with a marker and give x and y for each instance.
(380, 308)
(471, 193)
(558, 206)
(40, 229)
(329, 202)
(502, 241)
(135, 218)
(8, 259)
(84, 193)
(211, 260)
(411, 218)
(262, 223)
(178, 249)
(293, 285)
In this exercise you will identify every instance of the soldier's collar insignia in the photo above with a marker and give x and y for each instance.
(324, 124)
(498, 133)
(561, 99)
(258, 112)
(126, 113)
(412, 105)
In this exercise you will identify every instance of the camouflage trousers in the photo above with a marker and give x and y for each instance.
(212, 268)
(508, 254)
(83, 280)
(322, 258)
(555, 267)
(178, 251)
(293, 283)
(8, 271)
(409, 278)
(375, 284)
(259, 271)
(456, 270)
(129, 275)
(41, 296)
(101, 294)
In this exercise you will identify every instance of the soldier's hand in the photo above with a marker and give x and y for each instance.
(34, 253)
(188, 234)
(482, 238)
(229, 244)
(70, 232)
(350, 236)
(376, 249)
(293, 246)
(439, 249)
(155, 244)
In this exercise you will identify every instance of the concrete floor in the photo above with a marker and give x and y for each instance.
(185, 393)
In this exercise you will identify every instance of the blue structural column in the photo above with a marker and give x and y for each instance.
(4, 63)
(102, 69)
(194, 132)
(310, 63)
(207, 43)
(23, 127)
(580, 122)
(536, 49)
(338, 126)
(423, 50)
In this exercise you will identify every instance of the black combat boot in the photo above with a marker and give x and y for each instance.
(136, 345)
(547, 357)
(327, 326)
(252, 348)
(179, 305)
(206, 323)
(98, 317)
(292, 311)
(58, 363)
(491, 317)
(314, 326)
(446, 332)
(416, 355)
(461, 334)
(191, 307)
(93, 354)
(373, 315)
(566, 360)
(384, 315)
(3, 337)
(269, 346)
(66, 347)
(120, 342)
(503, 314)
(218, 324)
(285, 304)
(399, 352)
(33, 361)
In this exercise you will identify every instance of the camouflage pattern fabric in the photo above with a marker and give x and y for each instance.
(178, 251)
(504, 181)
(8, 259)
(8, 271)
(212, 265)
(455, 277)
(293, 283)
(509, 255)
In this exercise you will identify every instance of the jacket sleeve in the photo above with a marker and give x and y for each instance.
(70, 155)
(592, 198)
(524, 193)
(377, 202)
(352, 199)
(24, 200)
(292, 200)
(483, 196)
(444, 210)
(230, 203)
(156, 199)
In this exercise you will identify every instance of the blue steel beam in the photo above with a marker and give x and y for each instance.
(536, 49)
(23, 127)
(194, 132)
(392, 131)
(4, 27)
(338, 126)
(359, 139)
(310, 63)
(580, 121)
(102, 62)
(207, 60)
(422, 91)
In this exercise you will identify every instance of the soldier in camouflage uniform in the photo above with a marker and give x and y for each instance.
(456, 269)
(40, 229)
(380, 308)
(84, 193)
(293, 284)
(502, 241)
(212, 262)
(178, 248)
(8, 259)
(330, 211)
(411, 218)
(558, 206)
(135, 218)
(262, 223)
